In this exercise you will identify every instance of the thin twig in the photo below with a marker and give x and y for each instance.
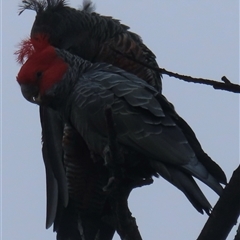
(226, 85)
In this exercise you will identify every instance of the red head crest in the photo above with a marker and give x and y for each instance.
(31, 45)
(42, 62)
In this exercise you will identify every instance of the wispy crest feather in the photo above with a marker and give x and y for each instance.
(40, 5)
(88, 6)
(29, 46)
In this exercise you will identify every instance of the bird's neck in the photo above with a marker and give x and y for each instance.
(57, 96)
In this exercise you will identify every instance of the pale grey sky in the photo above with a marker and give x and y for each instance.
(198, 38)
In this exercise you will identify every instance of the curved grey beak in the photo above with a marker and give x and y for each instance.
(31, 93)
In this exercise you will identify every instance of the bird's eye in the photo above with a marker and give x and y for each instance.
(38, 74)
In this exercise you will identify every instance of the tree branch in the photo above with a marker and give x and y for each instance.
(226, 85)
(225, 213)
(237, 237)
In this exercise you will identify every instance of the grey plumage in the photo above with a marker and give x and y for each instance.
(143, 125)
(104, 39)
(93, 37)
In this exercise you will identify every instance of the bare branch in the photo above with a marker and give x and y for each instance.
(237, 237)
(226, 85)
(225, 213)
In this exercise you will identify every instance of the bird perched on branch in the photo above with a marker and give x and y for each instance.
(98, 39)
(152, 138)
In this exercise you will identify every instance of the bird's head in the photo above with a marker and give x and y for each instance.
(42, 69)
(67, 28)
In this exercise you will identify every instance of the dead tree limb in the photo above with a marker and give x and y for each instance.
(226, 85)
(237, 237)
(225, 213)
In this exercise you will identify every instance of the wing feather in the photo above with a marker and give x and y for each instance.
(145, 122)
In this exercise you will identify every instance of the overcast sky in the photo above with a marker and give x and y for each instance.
(197, 38)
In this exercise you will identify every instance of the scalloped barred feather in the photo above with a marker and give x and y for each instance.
(92, 36)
